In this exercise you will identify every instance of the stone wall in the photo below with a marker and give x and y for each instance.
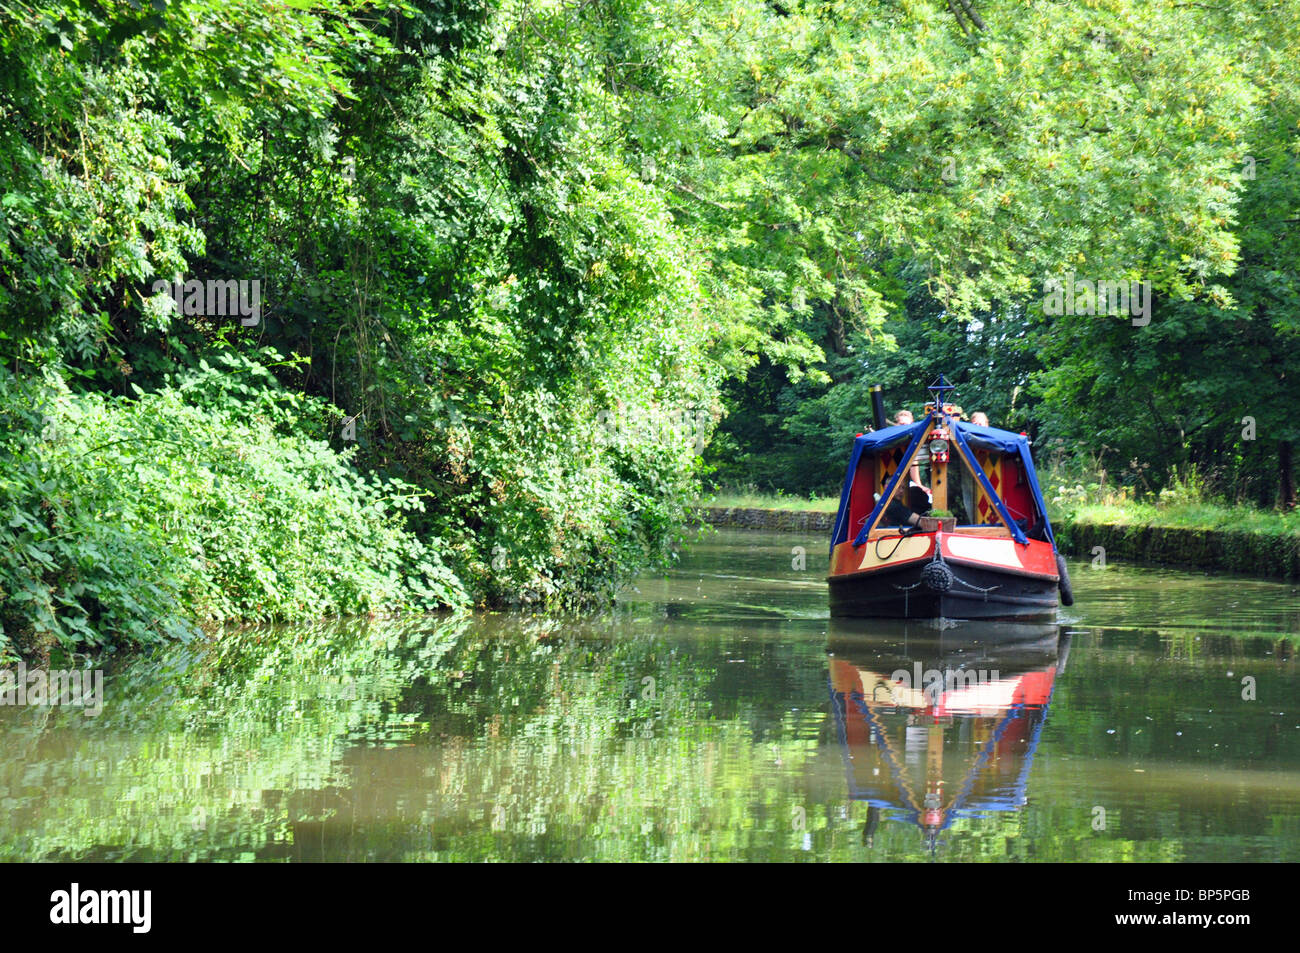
(1259, 554)
(791, 520)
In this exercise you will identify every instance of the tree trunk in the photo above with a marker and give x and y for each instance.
(1286, 474)
(839, 341)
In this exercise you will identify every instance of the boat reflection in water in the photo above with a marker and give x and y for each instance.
(937, 725)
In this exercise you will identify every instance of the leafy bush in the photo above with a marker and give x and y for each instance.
(130, 521)
(1186, 486)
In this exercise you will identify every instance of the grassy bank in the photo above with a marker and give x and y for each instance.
(1190, 516)
(1255, 552)
(748, 498)
(1185, 524)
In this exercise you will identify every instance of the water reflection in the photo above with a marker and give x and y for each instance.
(940, 725)
(689, 723)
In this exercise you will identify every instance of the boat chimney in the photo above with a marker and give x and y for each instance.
(878, 406)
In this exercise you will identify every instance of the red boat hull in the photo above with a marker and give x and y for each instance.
(975, 576)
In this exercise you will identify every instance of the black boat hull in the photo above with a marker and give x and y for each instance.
(975, 593)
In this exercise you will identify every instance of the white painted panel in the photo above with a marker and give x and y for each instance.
(999, 551)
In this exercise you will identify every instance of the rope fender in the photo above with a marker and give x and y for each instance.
(939, 577)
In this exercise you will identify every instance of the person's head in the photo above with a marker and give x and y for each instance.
(905, 417)
(979, 419)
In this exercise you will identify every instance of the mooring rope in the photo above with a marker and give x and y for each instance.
(885, 559)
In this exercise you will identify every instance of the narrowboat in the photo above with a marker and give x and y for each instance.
(975, 543)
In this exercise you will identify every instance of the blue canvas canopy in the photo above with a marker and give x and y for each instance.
(968, 436)
(1006, 441)
(872, 442)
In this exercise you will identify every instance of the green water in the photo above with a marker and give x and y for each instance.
(711, 715)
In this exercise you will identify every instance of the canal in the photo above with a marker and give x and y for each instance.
(715, 713)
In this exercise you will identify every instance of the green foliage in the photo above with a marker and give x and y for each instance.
(1115, 141)
(476, 274)
(487, 228)
(131, 521)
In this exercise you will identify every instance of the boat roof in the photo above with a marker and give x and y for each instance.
(979, 438)
(983, 438)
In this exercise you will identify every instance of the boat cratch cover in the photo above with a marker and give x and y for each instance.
(969, 438)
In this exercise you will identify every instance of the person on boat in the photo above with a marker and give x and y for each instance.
(979, 419)
(906, 515)
(900, 514)
(905, 419)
